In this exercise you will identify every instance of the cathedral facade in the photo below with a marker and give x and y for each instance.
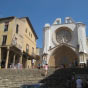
(65, 43)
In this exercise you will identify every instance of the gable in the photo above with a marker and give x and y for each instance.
(31, 27)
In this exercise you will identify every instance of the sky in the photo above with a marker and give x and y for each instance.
(41, 12)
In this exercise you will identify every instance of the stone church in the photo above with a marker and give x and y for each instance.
(65, 43)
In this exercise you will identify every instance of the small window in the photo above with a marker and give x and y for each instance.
(4, 40)
(27, 48)
(17, 28)
(6, 26)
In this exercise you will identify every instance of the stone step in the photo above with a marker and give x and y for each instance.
(10, 78)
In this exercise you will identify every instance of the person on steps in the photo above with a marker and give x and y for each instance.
(79, 83)
(46, 69)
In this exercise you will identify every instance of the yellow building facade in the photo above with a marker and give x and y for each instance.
(17, 42)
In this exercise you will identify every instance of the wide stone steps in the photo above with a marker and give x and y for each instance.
(15, 78)
(56, 78)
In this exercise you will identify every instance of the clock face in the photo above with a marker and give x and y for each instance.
(63, 36)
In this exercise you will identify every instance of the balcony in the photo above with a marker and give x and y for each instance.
(16, 44)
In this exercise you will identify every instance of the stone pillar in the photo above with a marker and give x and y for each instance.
(14, 59)
(0, 58)
(20, 60)
(26, 63)
(7, 58)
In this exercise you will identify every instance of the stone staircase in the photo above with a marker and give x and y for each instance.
(60, 77)
(56, 78)
(10, 78)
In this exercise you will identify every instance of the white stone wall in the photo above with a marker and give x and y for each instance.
(73, 42)
(82, 38)
(46, 39)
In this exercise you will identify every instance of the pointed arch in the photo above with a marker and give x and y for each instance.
(63, 55)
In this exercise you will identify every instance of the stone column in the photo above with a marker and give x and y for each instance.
(26, 63)
(14, 59)
(0, 58)
(20, 60)
(26, 59)
(7, 58)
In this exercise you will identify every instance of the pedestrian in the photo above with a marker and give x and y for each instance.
(46, 69)
(19, 65)
(33, 63)
(79, 83)
(86, 84)
(12, 65)
(39, 65)
(73, 83)
(44, 62)
(68, 83)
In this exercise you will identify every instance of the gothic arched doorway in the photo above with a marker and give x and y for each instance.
(63, 55)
